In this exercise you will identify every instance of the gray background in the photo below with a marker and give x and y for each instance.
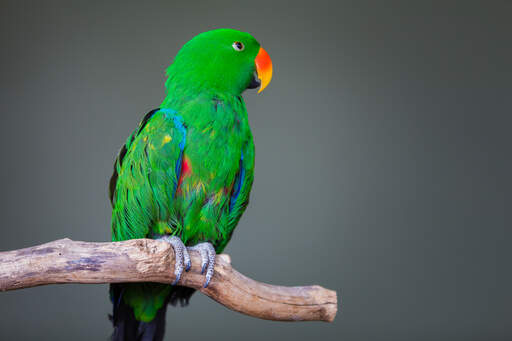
(383, 159)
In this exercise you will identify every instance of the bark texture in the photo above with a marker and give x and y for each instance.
(146, 260)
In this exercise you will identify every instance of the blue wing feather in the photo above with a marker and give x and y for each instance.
(238, 183)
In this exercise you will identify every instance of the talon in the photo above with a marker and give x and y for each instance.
(181, 257)
(186, 259)
(178, 276)
(208, 254)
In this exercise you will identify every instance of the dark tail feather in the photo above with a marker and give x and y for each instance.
(180, 295)
(154, 330)
(126, 327)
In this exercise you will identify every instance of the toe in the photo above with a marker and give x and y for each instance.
(181, 257)
(178, 265)
(204, 255)
(207, 252)
(211, 265)
(186, 259)
(204, 259)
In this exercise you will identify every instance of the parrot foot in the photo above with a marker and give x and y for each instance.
(181, 256)
(207, 252)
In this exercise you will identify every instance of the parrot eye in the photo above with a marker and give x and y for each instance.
(238, 46)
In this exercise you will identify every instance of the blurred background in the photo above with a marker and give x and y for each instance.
(382, 169)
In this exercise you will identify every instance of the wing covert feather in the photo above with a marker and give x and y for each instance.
(147, 176)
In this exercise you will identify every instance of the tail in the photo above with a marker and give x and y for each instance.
(128, 328)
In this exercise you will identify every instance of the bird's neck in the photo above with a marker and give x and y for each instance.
(178, 97)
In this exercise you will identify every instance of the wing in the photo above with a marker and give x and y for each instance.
(145, 177)
(240, 191)
(122, 153)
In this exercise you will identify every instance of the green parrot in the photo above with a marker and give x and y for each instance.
(185, 174)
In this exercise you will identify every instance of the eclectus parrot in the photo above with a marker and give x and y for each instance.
(184, 175)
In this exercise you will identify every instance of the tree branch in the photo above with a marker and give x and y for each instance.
(146, 260)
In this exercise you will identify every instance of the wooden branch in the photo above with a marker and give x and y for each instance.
(146, 260)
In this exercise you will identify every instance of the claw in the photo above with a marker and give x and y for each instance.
(182, 258)
(176, 280)
(186, 260)
(208, 254)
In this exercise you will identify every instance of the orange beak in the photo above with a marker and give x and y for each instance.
(263, 68)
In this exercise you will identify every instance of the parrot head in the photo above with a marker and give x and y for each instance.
(223, 61)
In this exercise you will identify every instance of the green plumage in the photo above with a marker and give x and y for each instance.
(187, 170)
